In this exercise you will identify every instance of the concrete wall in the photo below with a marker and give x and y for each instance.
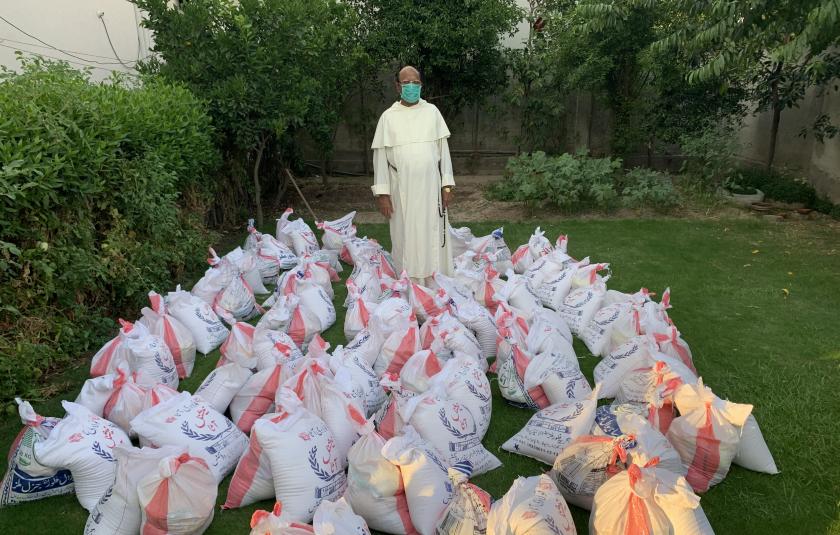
(74, 27)
(818, 161)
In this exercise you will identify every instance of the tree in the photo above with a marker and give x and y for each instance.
(456, 44)
(267, 67)
(604, 48)
(780, 47)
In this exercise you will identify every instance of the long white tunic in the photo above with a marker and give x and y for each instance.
(411, 163)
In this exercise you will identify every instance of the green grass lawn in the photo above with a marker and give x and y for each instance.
(751, 343)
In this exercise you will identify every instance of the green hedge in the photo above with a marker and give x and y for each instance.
(579, 182)
(92, 182)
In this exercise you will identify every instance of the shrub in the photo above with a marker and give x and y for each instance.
(565, 181)
(648, 188)
(579, 182)
(709, 156)
(776, 185)
(90, 208)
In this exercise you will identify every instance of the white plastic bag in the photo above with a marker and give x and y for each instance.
(635, 353)
(149, 356)
(177, 337)
(276, 523)
(272, 347)
(518, 293)
(706, 434)
(427, 486)
(236, 302)
(358, 312)
(362, 376)
(532, 506)
(337, 230)
(587, 463)
(299, 447)
(537, 246)
(753, 453)
(178, 498)
(83, 443)
(118, 510)
(338, 518)
(222, 384)
(198, 317)
(553, 428)
(559, 378)
(299, 236)
(397, 349)
(449, 426)
(465, 381)
(193, 423)
(112, 354)
(580, 306)
(255, 398)
(239, 346)
(648, 443)
(627, 504)
(467, 513)
(26, 479)
(374, 486)
(126, 400)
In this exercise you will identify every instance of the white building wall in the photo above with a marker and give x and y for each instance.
(74, 27)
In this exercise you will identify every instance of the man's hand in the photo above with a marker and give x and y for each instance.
(446, 197)
(383, 202)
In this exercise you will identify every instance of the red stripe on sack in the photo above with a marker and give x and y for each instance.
(523, 325)
(157, 511)
(156, 302)
(297, 328)
(101, 367)
(402, 509)
(388, 422)
(305, 527)
(427, 303)
(344, 255)
(290, 286)
(245, 473)
(355, 415)
(171, 341)
(117, 387)
(681, 350)
(432, 365)
(364, 314)
(638, 522)
(706, 459)
(386, 267)
(261, 403)
(519, 254)
(404, 351)
(539, 398)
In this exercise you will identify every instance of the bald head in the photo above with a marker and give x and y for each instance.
(408, 74)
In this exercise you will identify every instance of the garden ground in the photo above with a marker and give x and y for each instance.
(756, 302)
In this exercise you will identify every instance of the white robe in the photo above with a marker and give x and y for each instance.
(411, 163)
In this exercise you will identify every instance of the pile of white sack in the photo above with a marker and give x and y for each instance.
(385, 431)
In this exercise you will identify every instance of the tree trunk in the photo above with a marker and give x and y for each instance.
(591, 119)
(257, 190)
(365, 141)
(777, 115)
(774, 132)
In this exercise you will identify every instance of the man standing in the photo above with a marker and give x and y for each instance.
(412, 180)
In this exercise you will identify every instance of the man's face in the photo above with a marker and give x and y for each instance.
(408, 76)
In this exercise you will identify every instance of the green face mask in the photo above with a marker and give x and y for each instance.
(410, 93)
